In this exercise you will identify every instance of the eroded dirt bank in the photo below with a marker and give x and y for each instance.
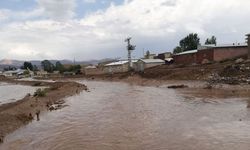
(17, 114)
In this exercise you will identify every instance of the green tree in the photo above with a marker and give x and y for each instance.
(211, 40)
(47, 66)
(75, 68)
(59, 67)
(147, 55)
(177, 50)
(35, 68)
(27, 65)
(190, 42)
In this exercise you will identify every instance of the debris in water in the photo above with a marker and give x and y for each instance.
(37, 115)
(1, 139)
(177, 86)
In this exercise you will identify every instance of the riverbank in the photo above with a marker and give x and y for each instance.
(14, 115)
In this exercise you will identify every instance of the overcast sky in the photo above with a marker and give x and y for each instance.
(94, 29)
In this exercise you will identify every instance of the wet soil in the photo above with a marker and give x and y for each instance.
(16, 114)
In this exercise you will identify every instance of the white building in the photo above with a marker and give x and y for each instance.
(118, 67)
(13, 73)
(143, 64)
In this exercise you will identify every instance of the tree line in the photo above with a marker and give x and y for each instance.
(50, 67)
(191, 42)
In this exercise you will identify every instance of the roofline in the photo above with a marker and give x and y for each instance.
(150, 59)
(114, 64)
(230, 46)
(187, 52)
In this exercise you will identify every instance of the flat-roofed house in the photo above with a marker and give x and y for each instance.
(118, 66)
(143, 64)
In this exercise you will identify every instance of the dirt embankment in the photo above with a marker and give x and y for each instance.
(221, 70)
(227, 72)
(17, 114)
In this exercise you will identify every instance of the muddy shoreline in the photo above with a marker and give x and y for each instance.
(16, 114)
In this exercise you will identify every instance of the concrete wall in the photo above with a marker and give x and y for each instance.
(185, 58)
(229, 53)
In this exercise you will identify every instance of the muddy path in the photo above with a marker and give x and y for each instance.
(19, 113)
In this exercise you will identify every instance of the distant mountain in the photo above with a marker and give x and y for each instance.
(18, 63)
(9, 62)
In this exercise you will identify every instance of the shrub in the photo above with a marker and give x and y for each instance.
(40, 93)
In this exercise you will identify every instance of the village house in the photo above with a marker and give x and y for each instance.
(211, 53)
(150, 56)
(143, 64)
(164, 56)
(42, 73)
(118, 67)
(93, 70)
(14, 73)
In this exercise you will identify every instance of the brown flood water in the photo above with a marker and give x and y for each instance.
(118, 116)
(13, 92)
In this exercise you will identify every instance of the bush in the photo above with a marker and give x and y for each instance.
(40, 93)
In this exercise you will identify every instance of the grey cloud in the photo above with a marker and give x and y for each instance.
(102, 34)
(58, 9)
(169, 3)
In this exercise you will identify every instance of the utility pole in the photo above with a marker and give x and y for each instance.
(130, 48)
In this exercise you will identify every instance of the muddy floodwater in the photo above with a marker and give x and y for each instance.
(119, 116)
(12, 92)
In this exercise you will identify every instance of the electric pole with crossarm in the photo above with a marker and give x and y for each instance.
(130, 48)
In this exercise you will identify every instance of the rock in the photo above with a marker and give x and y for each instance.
(38, 115)
(177, 86)
(205, 61)
(240, 60)
(56, 107)
(30, 116)
(209, 87)
(52, 107)
(247, 61)
(59, 102)
(1, 139)
(37, 84)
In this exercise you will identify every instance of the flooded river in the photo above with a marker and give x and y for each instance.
(12, 92)
(118, 116)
